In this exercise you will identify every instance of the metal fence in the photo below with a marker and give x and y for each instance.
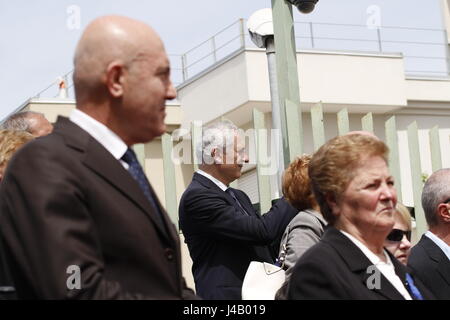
(422, 57)
(428, 57)
(318, 134)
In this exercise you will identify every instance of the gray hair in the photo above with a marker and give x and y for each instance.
(19, 121)
(435, 191)
(219, 135)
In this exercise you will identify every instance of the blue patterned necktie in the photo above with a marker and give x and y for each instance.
(412, 288)
(240, 207)
(137, 173)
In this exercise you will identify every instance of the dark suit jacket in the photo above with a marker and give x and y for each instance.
(65, 200)
(222, 240)
(7, 290)
(431, 266)
(336, 268)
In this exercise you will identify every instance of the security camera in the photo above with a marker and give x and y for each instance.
(304, 6)
(260, 27)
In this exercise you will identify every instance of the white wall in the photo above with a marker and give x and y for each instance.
(217, 92)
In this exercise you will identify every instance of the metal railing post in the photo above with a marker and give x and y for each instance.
(312, 34)
(447, 52)
(184, 67)
(380, 46)
(242, 32)
(213, 48)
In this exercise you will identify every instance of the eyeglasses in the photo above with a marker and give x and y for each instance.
(396, 235)
(446, 201)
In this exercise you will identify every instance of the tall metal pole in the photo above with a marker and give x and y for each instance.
(286, 64)
(276, 114)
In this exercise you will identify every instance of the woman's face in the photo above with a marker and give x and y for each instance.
(367, 206)
(400, 249)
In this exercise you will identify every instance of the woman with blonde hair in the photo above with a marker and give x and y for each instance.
(10, 142)
(398, 241)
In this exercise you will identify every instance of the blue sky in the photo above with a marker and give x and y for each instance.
(36, 44)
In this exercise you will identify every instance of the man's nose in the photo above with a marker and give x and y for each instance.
(171, 92)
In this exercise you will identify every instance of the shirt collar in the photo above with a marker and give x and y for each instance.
(367, 252)
(100, 132)
(439, 242)
(220, 184)
(386, 268)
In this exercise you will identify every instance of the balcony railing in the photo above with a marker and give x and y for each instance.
(425, 51)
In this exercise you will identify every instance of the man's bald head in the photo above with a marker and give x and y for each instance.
(107, 40)
(122, 78)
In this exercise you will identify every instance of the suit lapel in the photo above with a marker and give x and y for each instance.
(165, 216)
(213, 187)
(444, 270)
(435, 253)
(99, 160)
(358, 263)
(245, 203)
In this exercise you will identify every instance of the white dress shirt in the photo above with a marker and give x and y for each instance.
(101, 133)
(386, 268)
(439, 242)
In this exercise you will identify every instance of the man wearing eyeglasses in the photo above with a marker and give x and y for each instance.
(430, 258)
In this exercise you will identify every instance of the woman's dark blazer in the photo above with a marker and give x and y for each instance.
(336, 268)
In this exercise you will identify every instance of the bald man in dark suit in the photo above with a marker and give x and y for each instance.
(79, 218)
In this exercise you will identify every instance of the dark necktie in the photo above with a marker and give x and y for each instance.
(137, 173)
(412, 288)
(240, 207)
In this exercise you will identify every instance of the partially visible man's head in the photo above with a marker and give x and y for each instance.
(30, 121)
(436, 198)
(10, 142)
(222, 150)
(122, 77)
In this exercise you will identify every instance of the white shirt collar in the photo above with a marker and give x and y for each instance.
(220, 184)
(367, 252)
(386, 268)
(100, 132)
(439, 242)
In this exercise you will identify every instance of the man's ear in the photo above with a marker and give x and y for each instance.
(332, 203)
(115, 78)
(216, 156)
(444, 212)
